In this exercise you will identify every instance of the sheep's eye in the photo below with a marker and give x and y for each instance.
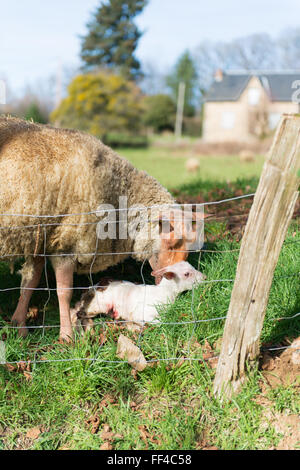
(186, 274)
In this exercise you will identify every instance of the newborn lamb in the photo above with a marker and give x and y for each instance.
(136, 303)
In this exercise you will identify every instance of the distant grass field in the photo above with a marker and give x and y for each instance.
(168, 165)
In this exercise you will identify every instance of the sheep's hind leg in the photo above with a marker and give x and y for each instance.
(29, 283)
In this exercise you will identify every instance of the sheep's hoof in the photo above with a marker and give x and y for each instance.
(22, 329)
(65, 340)
(66, 337)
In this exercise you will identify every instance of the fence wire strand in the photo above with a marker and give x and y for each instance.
(106, 323)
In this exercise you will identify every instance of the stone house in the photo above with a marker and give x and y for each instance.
(242, 107)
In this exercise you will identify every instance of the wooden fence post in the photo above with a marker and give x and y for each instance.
(265, 231)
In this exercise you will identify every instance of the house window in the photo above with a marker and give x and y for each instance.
(274, 119)
(253, 96)
(228, 120)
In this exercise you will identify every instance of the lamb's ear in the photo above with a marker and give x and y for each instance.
(169, 275)
(164, 272)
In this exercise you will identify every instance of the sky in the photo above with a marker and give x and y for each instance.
(37, 35)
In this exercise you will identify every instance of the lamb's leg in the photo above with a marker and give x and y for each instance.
(87, 324)
(64, 283)
(19, 317)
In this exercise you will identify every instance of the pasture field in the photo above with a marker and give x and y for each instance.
(100, 402)
(168, 165)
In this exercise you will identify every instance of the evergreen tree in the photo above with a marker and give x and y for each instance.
(34, 113)
(185, 71)
(113, 37)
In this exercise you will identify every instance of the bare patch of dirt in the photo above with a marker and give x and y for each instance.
(280, 369)
(231, 148)
(200, 147)
(288, 425)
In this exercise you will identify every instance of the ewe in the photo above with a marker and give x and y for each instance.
(68, 174)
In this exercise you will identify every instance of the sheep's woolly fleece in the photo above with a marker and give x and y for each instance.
(50, 171)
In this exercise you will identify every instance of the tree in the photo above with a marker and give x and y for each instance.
(32, 105)
(257, 51)
(113, 37)
(160, 112)
(154, 80)
(100, 103)
(34, 113)
(289, 48)
(185, 71)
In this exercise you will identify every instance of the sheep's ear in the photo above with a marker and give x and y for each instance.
(171, 241)
(165, 225)
(196, 216)
(158, 272)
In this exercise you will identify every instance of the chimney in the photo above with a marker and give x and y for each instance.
(219, 75)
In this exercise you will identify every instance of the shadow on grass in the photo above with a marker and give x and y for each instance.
(285, 328)
(128, 270)
(214, 190)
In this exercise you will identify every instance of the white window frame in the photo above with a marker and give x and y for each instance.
(228, 119)
(254, 94)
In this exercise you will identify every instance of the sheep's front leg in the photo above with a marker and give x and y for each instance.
(64, 283)
(30, 283)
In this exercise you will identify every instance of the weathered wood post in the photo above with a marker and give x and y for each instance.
(265, 231)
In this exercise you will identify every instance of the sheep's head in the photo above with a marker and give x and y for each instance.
(179, 233)
(182, 273)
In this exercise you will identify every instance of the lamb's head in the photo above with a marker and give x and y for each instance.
(179, 231)
(182, 274)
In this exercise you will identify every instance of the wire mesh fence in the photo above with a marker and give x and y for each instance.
(103, 323)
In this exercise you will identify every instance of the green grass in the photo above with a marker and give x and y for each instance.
(175, 405)
(169, 405)
(168, 165)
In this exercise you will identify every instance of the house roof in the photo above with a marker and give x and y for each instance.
(277, 85)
